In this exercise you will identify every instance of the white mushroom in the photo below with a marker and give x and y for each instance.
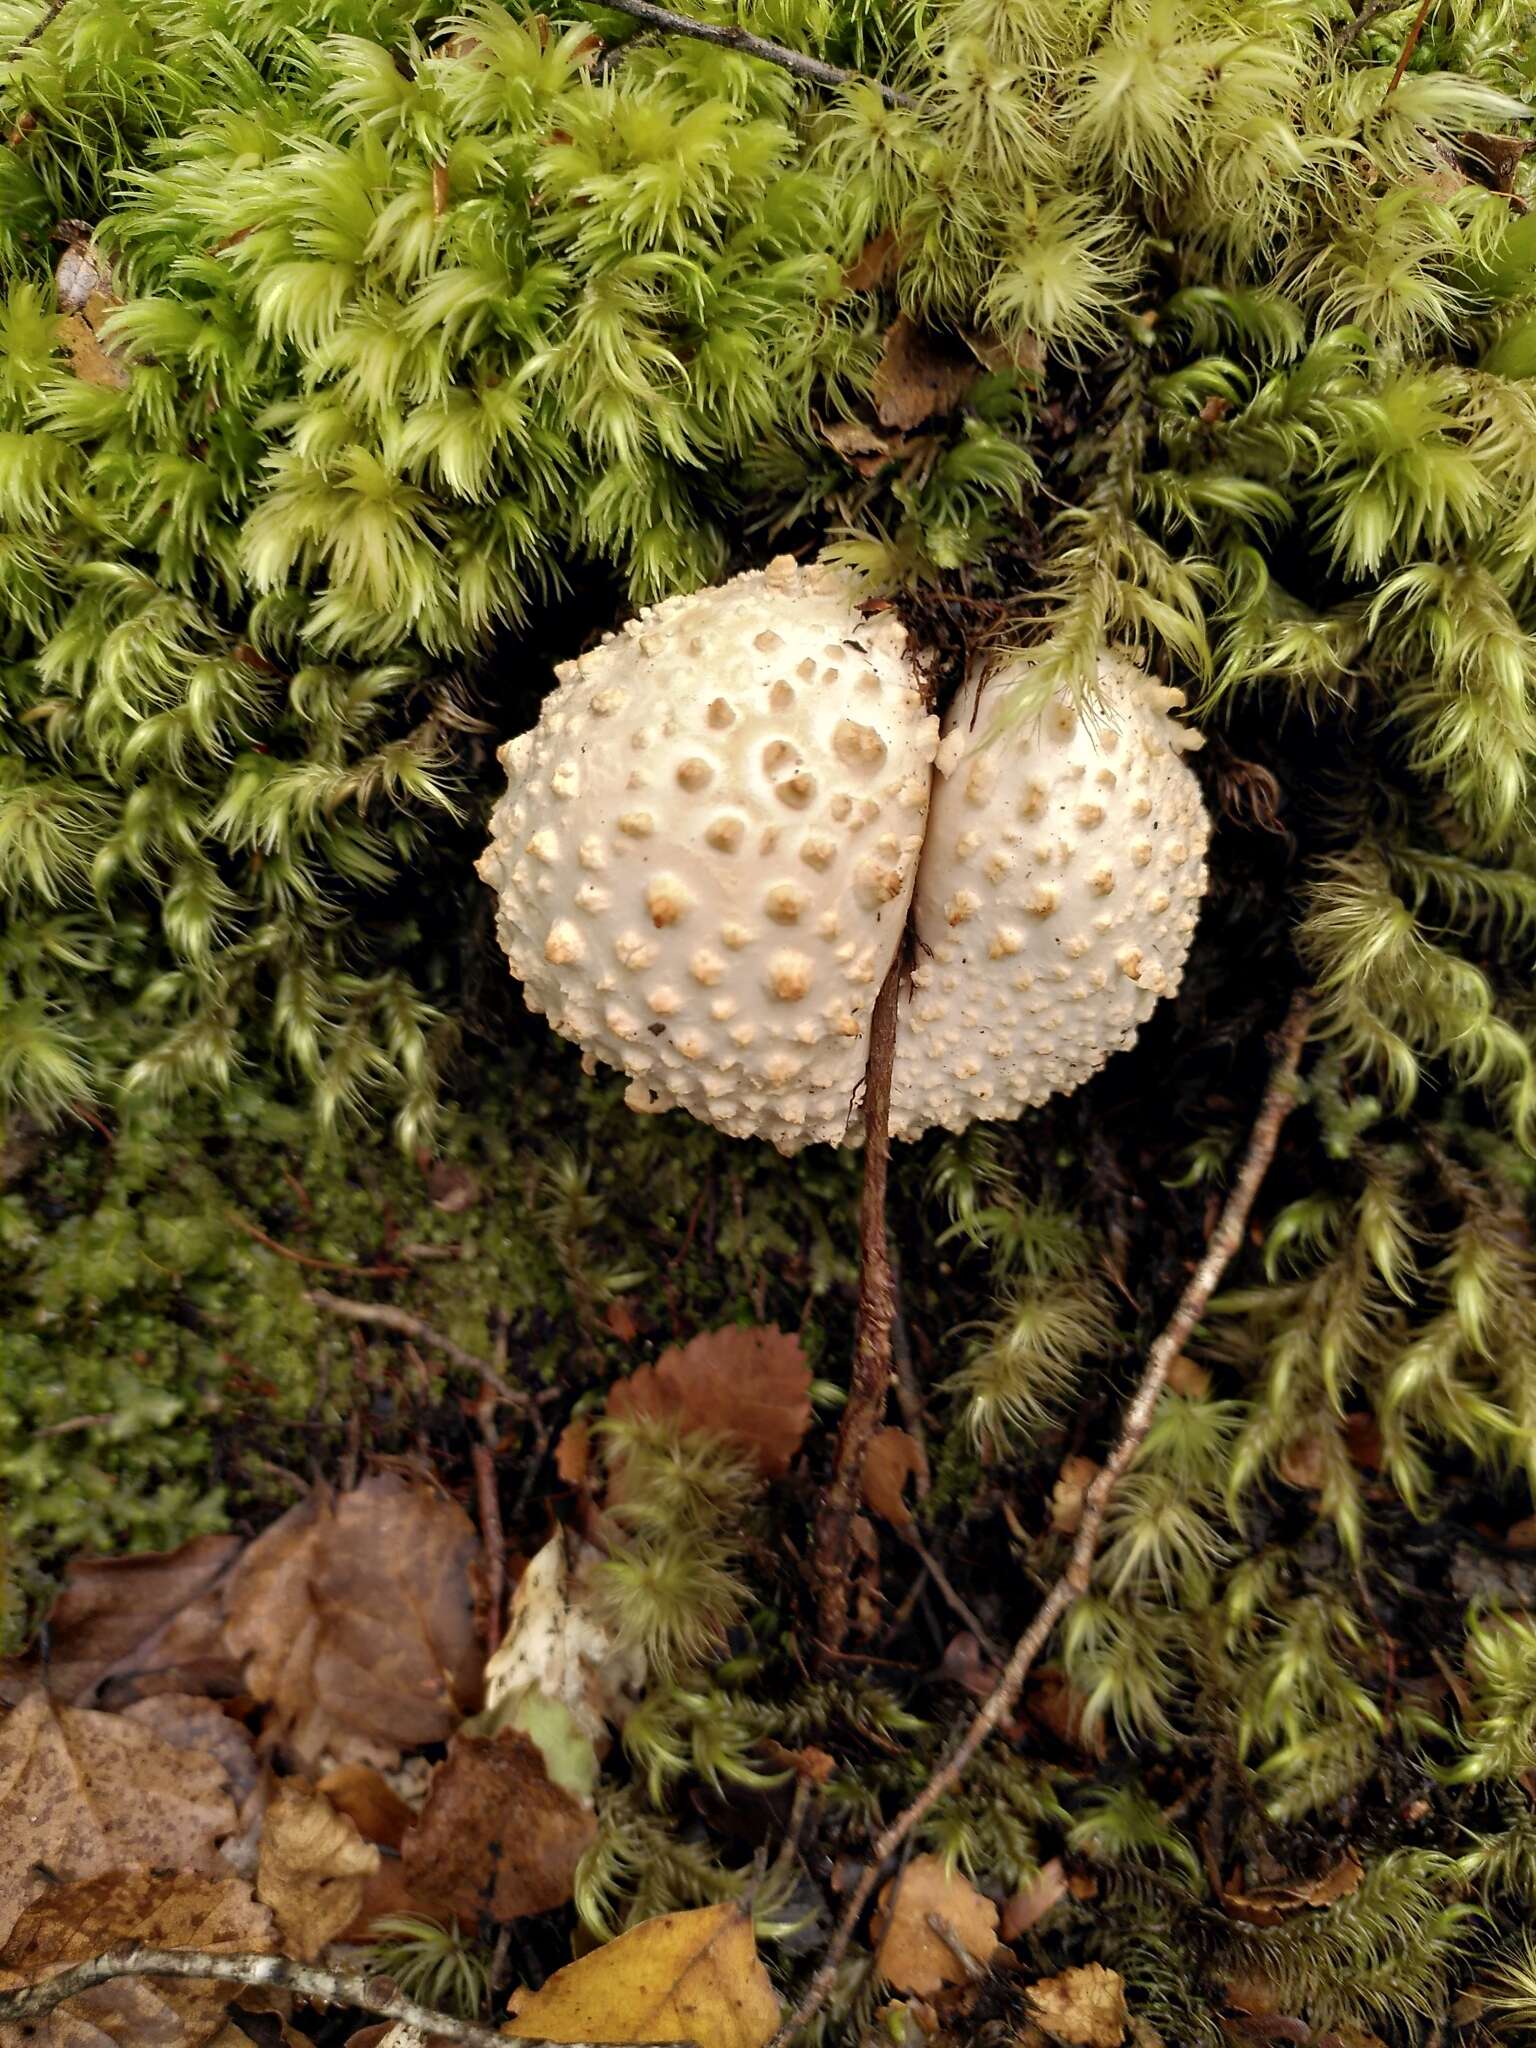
(705, 856)
(1058, 890)
(709, 844)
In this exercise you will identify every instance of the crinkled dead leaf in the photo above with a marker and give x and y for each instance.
(1084, 2008)
(82, 1793)
(357, 1617)
(683, 1977)
(370, 1802)
(752, 1386)
(875, 262)
(911, 1954)
(921, 372)
(1047, 1888)
(129, 1625)
(556, 1645)
(573, 1453)
(313, 1871)
(158, 1908)
(495, 1837)
(1267, 1905)
(894, 1458)
(865, 448)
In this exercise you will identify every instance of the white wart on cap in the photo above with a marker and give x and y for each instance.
(708, 845)
(1057, 894)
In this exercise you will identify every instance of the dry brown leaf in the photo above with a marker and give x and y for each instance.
(159, 1908)
(875, 262)
(1072, 1483)
(313, 1871)
(129, 1625)
(750, 1385)
(1047, 1888)
(911, 1955)
(683, 1977)
(187, 1721)
(1084, 2007)
(1054, 1702)
(1268, 1905)
(865, 448)
(357, 1616)
(1186, 1377)
(1304, 1462)
(82, 1793)
(816, 1766)
(370, 1802)
(573, 1453)
(921, 372)
(495, 1836)
(894, 1458)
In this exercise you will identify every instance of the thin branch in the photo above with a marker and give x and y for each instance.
(310, 1259)
(1073, 1582)
(329, 1987)
(493, 1543)
(832, 1549)
(1409, 47)
(404, 1324)
(40, 27)
(734, 38)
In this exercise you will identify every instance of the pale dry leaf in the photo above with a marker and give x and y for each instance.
(573, 1453)
(894, 1457)
(682, 1977)
(1084, 2008)
(1187, 1377)
(1046, 1889)
(921, 372)
(556, 1645)
(495, 1837)
(911, 1955)
(370, 1802)
(1072, 1483)
(356, 1615)
(1269, 1905)
(130, 1625)
(187, 1721)
(158, 1908)
(752, 1386)
(865, 448)
(83, 1792)
(313, 1871)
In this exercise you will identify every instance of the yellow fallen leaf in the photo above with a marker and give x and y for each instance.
(913, 1955)
(683, 1977)
(1085, 2007)
(314, 1869)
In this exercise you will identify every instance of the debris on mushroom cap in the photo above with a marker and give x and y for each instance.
(1058, 890)
(706, 851)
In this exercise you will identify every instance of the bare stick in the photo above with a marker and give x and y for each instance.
(1409, 47)
(318, 1265)
(832, 1550)
(492, 1541)
(329, 1987)
(404, 1324)
(1073, 1583)
(733, 38)
(39, 27)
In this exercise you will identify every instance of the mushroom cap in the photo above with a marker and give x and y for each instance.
(708, 844)
(1058, 890)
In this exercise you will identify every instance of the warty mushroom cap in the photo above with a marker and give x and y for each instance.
(706, 851)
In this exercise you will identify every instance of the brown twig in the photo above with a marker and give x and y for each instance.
(404, 1324)
(492, 1542)
(40, 27)
(831, 1552)
(1352, 30)
(318, 1265)
(948, 1594)
(1073, 1582)
(328, 1987)
(1409, 47)
(749, 45)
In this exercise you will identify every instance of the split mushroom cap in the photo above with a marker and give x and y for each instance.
(1057, 894)
(710, 840)
(706, 851)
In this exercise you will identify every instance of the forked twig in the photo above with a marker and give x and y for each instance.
(404, 1324)
(329, 1987)
(1073, 1582)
